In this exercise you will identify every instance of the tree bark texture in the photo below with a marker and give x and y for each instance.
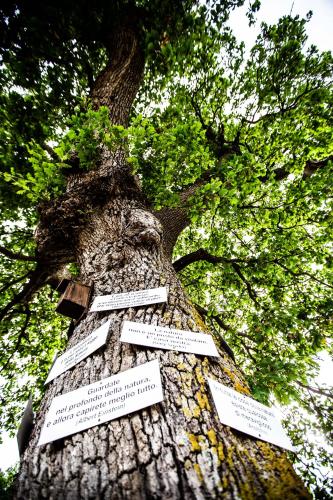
(176, 449)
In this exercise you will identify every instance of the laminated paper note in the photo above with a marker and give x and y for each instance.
(129, 299)
(243, 413)
(80, 351)
(168, 338)
(102, 401)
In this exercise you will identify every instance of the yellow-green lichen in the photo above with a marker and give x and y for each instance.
(241, 388)
(203, 442)
(167, 316)
(283, 483)
(194, 441)
(198, 471)
(181, 367)
(199, 321)
(238, 386)
(202, 400)
(230, 374)
(246, 491)
(186, 378)
(187, 412)
(199, 375)
(212, 437)
(220, 452)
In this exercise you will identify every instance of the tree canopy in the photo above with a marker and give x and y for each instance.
(240, 144)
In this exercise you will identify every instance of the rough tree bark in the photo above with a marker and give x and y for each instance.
(175, 449)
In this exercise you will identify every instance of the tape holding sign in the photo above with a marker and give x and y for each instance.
(168, 338)
(102, 401)
(129, 299)
(80, 351)
(247, 415)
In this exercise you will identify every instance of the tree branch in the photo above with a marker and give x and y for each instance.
(301, 273)
(311, 166)
(223, 325)
(27, 312)
(250, 291)
(16, 256)
(175, 219)
(37, 279)
(14, 282)
(51, 152)
(202, 254)
(283, 109)
(73, 162)
(316, 390)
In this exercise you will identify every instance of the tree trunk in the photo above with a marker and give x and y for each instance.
(176, 449)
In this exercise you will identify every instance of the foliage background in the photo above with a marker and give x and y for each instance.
(250, 128)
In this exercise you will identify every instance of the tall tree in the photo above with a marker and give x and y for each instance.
(225, 158)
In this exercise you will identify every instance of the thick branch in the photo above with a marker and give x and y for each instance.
(310, 168)
(175, 219)
(117, 85)
(216, 139)
(16, 255)
(202, 254)
(37, 279)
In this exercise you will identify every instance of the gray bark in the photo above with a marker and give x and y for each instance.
(176, 449)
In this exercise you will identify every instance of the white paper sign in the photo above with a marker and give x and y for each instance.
(102, 401)
(168, 338)
(129, 299)
(80, 351)
(243, 413)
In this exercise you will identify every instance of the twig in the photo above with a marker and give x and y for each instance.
(14, 282)
(317, 390)
(27, 312)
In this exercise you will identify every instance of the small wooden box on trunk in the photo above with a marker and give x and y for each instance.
(74, 301)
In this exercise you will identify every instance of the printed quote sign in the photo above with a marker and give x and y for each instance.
(168, 338)
(102, 401)
(243, 413)
(80, 351)
(129, 299)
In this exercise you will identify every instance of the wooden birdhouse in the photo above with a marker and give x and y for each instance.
(74, 300)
